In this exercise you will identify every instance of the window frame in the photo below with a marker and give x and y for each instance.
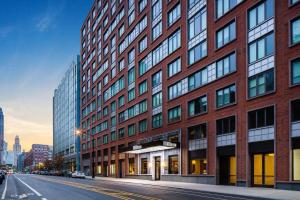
(230, 103)
(291, 30)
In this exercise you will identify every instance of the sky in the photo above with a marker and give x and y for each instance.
(38, 41)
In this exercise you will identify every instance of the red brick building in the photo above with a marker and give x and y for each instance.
(197, 91)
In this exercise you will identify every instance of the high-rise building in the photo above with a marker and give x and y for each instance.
(202, 91)
(16, 150)
(1, 131)
(20, 165)
(66, 117)
(38, 154)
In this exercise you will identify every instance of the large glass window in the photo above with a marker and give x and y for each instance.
(174, 42)
(261, 48)
(174, 14)
(143, 87)
(143, 126)
(197, 24)
(131, 129)
(131, 167)
(144, 166)
(226, 96)
(143, 44)
(173, 164)
(226, 34)
(131, 76)
(156, 30)
(223, 6)
(157, 100)
(131, 94)
(226, 125)
(121, 132)
(295, 31)
(295, 110)
(197, 132)
(198, 166)
(174, 67)
(197, 106)
(192, 3)
(157, 78)
(197, 52)
(261, 83)
(261, 118)
(157, 121)
(295, 71)
(174, 114)
(156, 9)
(296, 164)
(260, 13)
(226, 65)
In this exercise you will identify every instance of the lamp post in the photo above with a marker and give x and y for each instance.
(77, 144)
(93, 158)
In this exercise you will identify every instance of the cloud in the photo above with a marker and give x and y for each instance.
(47, 20)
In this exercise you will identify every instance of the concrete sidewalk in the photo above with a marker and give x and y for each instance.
(244, 191)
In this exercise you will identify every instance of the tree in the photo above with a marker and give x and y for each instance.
(48, 165)
(58, 163)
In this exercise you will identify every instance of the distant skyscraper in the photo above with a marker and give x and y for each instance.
(1, 129)
(66, 117)
(17, 150)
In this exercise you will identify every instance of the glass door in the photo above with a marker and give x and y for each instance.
(157, 168)
(263, 169)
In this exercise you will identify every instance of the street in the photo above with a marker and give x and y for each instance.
(19, 186)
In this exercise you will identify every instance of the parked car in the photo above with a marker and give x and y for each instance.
(78, 174)
(67, 173)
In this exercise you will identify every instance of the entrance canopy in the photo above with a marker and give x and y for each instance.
(151, 147)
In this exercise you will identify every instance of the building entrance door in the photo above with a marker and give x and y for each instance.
(227, 165)
(157, 168)
(263, 170)
(121, 168)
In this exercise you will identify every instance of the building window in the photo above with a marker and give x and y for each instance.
(105, 79)
(295, 71)
(174, 114)
(295, 110)
(131, 165)
(121, 101)
(131, 76)
(198, 166)
(113, 136)
(131, 94)
(197, 24)
(261, 118)
(121, 30)
(143, 87)
(260, 13)
(142, 107)
(121, 132)
(294, 1)
(197, 52)
(295, 31)
(261, 83)
(226, 65)
(197, 132)
(113, 121)
(131, 129)
(156, 9)
(143, 44)
(131, 56)
(105, 139)
(174, 42)
(192, 3)
(105, 111)
(173, 164)
(143, 126)
(157, 100)
(143, 67)
(156, 31)
(174, 67)
(226, 125)
(226, 34)
(144, 166)
(226, 96)
(131, 18)
(174, 14)
(157, 120)
(296, 164)
(142, 5)
(157, 79)
(261, 48)
(197, 106)
(223, 6)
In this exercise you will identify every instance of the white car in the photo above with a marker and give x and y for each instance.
(78, 174)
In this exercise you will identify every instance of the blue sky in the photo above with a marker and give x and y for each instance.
(38, 40)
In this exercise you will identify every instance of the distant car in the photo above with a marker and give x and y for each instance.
(2, 176)
(78, 174)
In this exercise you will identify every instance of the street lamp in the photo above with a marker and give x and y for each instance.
(77, 144)
(93, 158)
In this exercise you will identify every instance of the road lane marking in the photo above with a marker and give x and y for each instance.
(33, 190)
(5, 188)
(106, 191)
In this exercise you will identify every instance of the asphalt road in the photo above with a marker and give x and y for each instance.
(37, 187)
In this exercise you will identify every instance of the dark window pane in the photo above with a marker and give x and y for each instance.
(232, 124)
(270, 116)
(260, 118)
(295, 110)
(252, 120)
(270, 44)
(270, 81)
(269, 8)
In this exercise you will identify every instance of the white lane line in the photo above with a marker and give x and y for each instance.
(44, 199)
(33, 190)
(5, 188)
